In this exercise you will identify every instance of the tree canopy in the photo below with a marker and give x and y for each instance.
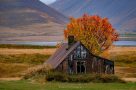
(96, 33)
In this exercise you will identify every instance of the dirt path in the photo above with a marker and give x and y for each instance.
(129, 79)
(11, 79)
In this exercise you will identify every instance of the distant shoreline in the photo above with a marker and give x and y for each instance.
(52, 44)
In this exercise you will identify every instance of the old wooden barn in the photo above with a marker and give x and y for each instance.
(74, 58)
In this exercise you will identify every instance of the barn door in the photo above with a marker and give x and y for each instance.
(81, 67)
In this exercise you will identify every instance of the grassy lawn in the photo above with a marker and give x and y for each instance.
(26, 85)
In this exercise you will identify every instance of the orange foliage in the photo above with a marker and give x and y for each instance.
(96, 33)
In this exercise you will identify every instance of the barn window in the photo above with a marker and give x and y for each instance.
(81, 68)
(78, 52)
(107, 70)
(111, 70)
(83, 54)
(70, 70)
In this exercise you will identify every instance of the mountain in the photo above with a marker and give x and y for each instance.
(24, 12)
(24, 19)
(122, 13)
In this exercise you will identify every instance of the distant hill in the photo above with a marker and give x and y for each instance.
(122, 13)
(30, 20)
(25, 12)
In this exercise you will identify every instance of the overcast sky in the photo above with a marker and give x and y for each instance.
(48, 1)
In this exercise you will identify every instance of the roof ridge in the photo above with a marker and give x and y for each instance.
(70, 49)
(60, 54)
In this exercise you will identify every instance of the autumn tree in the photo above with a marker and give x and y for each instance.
(96, 33)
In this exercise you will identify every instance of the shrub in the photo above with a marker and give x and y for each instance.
(37, 71)
(82, 78)
(110, 78)
(56, 76)
(46, 73)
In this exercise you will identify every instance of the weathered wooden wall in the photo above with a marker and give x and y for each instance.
(93, 64)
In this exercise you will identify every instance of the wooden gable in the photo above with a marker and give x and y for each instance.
(79, 53)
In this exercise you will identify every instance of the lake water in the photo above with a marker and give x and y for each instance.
(30, 43)
(125, 43)
(117, 43)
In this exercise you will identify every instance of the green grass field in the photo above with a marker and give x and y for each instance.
(27, 85)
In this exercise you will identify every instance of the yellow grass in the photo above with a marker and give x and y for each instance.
(128, 72)
(26, 51)
(15, 69)
(11, 70)
(122, 50)
(50, 51)
(123, 56)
